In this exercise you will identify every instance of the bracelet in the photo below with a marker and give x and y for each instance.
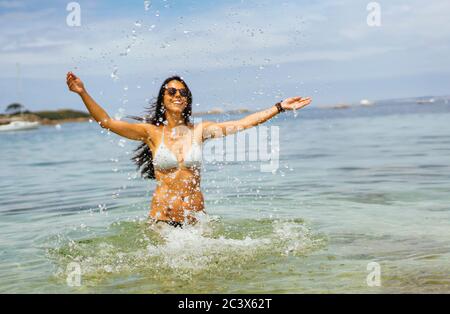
(279, 107)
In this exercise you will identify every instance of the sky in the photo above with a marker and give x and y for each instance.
(233, 54)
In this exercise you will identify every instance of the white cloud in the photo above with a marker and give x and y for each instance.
(413, 39)
(227, 37)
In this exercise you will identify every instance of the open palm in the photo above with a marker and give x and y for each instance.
(295, 103)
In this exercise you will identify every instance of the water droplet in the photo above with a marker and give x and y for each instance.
(147, 5)
(114, 75)
(102, 208)
(120, 114)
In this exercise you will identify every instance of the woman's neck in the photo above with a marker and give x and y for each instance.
(174, 119)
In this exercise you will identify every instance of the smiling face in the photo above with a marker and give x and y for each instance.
(177, 102)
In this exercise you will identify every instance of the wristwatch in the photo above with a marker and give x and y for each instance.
(279, 107)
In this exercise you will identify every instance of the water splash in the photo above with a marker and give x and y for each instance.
(210, 246)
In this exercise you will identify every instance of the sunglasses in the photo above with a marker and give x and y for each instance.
(173, 91)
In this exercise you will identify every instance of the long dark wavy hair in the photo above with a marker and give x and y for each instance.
(155, 115)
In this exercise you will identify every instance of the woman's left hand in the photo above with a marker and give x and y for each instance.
(295, 103)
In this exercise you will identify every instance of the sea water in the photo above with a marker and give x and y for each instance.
(354, 186)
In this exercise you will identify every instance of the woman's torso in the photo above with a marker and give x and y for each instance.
(177, 163)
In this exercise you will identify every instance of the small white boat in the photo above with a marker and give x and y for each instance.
(19, 126)
(426, 101)
(366, 102)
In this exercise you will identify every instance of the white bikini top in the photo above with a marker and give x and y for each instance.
(164, 158)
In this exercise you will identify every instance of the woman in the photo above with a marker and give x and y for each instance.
(171, 145)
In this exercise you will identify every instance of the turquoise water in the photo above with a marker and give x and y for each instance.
(353, 186)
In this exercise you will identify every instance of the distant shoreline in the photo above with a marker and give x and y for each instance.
(48, 117)
(53, 117)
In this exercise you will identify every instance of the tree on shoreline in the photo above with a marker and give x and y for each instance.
(15, 108)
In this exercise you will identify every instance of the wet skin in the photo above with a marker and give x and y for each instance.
(177, 196)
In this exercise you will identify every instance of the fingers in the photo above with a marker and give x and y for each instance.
(298, 99)
(70, 76)
(306, 99)
(305, 102)
(299, 102)
(294, 99)
(70, 80)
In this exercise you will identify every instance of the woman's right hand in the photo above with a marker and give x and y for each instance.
(74, 83)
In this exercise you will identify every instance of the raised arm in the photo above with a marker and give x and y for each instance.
(133, 131)
(213, 130)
